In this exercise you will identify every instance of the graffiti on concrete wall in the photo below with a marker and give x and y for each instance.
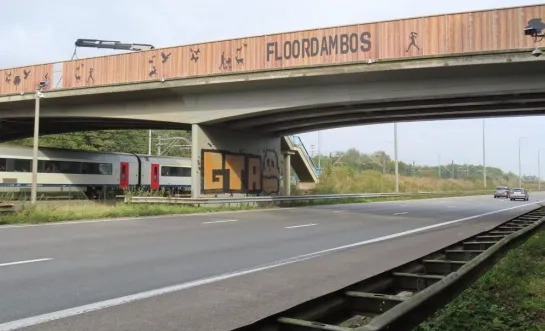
(228, 172)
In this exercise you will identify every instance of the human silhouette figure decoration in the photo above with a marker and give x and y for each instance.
(225, 62)
(90, 77)
(25, 74)
(7, 77)
(412, 37)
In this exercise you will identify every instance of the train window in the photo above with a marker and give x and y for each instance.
(63, 167)
(105, 168)
(67, 167)
(22, 165)
(175, 171)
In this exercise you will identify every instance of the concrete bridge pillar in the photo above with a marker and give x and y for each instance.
(287, 172)
(233, 163)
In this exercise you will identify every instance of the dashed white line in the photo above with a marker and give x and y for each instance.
(402, 213)
(341, 211)
(402, 205)
(300, 226)
(222, 221)
(30, 321)
(23, 262)
(451, 206)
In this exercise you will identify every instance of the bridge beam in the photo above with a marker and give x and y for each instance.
(234, 163)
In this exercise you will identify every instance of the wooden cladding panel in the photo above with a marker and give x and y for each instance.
(25, 79)
(426, 36)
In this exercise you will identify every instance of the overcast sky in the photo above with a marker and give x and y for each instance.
(36, 31)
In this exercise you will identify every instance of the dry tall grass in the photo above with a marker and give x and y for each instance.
(347, 180)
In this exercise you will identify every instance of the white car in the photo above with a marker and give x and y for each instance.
(519, 193)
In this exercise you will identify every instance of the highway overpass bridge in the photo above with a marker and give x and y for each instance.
(239, 97)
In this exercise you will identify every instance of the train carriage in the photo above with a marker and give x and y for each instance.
(171, 173)
(60, 170)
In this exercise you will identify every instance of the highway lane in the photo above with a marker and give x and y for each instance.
(92, 262)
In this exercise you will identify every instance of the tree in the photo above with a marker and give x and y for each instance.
(126, 141)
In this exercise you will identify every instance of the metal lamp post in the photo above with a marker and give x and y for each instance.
(34, 184)
(520, 171)
(539, 168)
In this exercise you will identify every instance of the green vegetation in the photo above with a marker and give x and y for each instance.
(57, 211)
(355, 172)
(128, 141)
(510, 297)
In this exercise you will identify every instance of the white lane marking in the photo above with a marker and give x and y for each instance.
(341, 211)
(300, 226)
(402, 205)
(30, 321)
(2, 227)
(24, 262)
(402, 213)
(451, 206)
(223, 221)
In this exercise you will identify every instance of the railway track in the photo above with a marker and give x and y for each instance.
(402, 298)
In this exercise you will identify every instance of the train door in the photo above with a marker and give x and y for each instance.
(154, 176)
(124, 175)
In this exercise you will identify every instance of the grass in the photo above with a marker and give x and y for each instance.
(509, 297)
(81, 210)
(347, 180)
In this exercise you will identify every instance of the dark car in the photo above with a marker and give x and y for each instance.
(519, 193)
(501, 192)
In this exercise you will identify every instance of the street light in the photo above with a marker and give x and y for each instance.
(34, 184)
(539, 169)
(396, 160)
(520, 173)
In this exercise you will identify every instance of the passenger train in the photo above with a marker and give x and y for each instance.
(92, 172)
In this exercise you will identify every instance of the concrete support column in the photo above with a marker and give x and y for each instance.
(287, 172)
(195, 164)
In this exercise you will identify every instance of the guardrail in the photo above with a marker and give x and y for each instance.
(402, 298)
(278, 199)
(6, 208)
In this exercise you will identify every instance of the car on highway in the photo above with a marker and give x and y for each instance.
(501, 191)
(519, 193)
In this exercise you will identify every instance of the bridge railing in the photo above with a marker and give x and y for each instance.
(296, 140)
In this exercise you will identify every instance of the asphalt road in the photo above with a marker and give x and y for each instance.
(59, 271)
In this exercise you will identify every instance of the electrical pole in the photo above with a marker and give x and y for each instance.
(319, 150)
(520, 167)
(539, 169)
(439, 165)
(484, 157)
(149, 143)
(159, 145)
(396, 160)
